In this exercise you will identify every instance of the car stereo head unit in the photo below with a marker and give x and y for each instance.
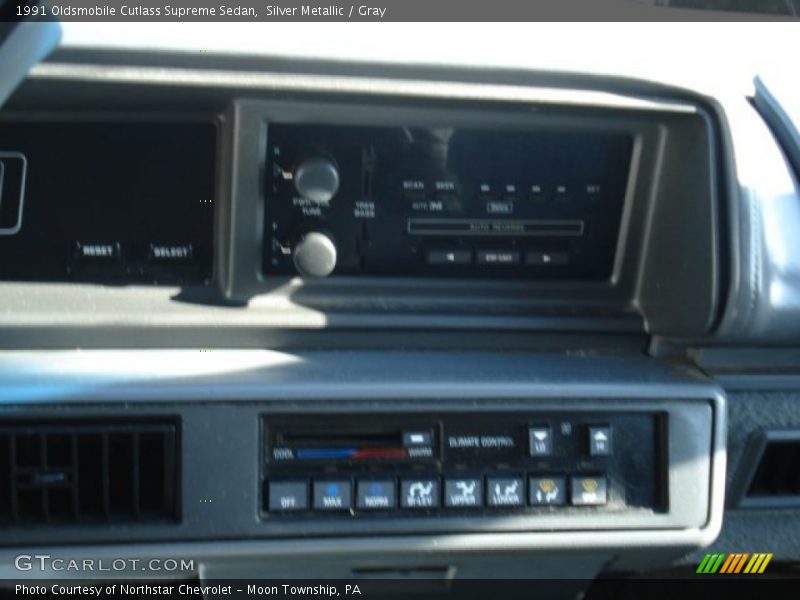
(444, 201)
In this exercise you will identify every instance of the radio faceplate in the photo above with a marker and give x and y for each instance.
(444, 201)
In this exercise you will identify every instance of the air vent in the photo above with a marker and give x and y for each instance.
(88, 471)
(771, 470)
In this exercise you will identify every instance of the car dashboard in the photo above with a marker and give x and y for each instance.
(289, 317)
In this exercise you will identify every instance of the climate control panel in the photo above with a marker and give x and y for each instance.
(364, 465)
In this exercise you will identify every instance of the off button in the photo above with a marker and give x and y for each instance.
(288, 496)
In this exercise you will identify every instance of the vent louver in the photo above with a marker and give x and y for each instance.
(769, 471)
(778, 472)
(88, 471)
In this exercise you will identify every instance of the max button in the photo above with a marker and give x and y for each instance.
(333, 495)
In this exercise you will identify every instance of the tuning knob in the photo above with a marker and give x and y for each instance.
(317, 179)
(314, 255)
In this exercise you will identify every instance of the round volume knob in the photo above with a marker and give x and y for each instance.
(315, 255)
(317, 179)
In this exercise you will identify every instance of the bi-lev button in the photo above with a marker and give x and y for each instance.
(420, 493)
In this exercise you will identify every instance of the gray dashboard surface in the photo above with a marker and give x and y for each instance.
(764, 293)
(760, 301)
(201, 375)
(771, 403)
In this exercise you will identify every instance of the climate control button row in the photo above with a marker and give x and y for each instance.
(427, 493)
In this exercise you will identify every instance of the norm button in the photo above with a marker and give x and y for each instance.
(541, 440)
(376, 494)
(332, 495)
(288, 495)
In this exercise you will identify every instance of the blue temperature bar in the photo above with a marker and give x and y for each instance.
(317, 453)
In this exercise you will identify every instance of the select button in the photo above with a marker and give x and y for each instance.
(170, 252)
